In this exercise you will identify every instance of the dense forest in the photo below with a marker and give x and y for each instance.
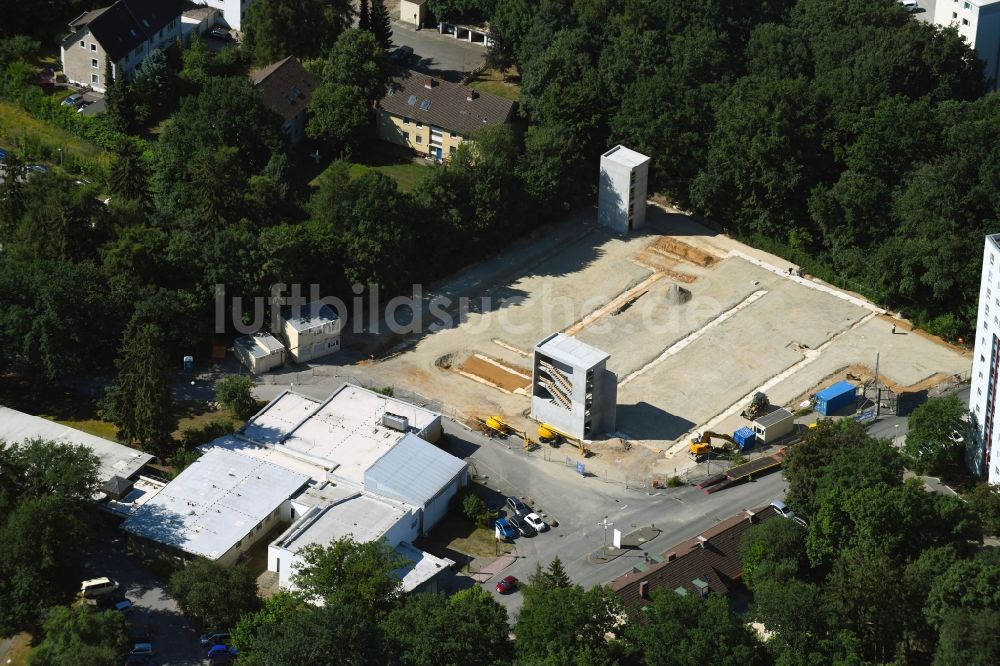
(842, 134)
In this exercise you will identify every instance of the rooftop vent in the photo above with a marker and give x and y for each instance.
(395, 421)
(470, 95)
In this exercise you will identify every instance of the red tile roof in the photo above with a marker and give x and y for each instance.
(285, 87)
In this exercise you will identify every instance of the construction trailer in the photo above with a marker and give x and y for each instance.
(259, 352)
(773, 426)
(571, 388)
(834, 398)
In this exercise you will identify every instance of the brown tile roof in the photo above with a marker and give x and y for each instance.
(445, 104)
(712, 557)
(285, 87)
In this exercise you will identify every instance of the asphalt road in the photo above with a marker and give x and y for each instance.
(580, 506)
(438, 53)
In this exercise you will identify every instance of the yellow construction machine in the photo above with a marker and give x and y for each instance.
(702, 444)
(495, 426)
(551, 435)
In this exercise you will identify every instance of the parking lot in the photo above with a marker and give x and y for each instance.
(174, 638)
(435, 53)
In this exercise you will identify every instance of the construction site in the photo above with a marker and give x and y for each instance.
(692, 323)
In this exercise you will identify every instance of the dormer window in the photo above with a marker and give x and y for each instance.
(83, 44)
(93, 47)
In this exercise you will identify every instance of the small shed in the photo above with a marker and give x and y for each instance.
(259, 352)
(834, 398)
(413, 12)
(117, 487)
(773, 426)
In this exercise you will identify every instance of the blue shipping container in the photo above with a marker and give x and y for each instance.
(745, 438)
(836, 397)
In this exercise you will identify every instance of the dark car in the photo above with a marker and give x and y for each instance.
(215, 638)
(36, 168)
(220, 33)
(524, 528)
(518, 507)
(139, 660)
(507, 585)
(140, 634)
(221, 650)
(401, 55)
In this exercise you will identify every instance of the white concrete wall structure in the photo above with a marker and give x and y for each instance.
(983, 452)
(571, 389)
(232, 11)
(621, 195)
(979, 22)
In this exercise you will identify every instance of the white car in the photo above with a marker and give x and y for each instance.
(909, 4)
(782, 509)
(536, 521)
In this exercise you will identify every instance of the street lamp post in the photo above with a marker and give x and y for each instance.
(60, 157)
(605, 524)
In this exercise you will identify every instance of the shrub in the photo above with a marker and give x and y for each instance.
(193, 437)
(674, 482)
(236, 393)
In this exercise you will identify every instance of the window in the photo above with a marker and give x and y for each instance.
(451, 150)
(453, 135)
(954, 15)
(94, 78)
(406, 136)
(965, 21)
(420, 139)
(93, 47)
(406, 121)
(93, 63)
(83, 44)
(965, 5)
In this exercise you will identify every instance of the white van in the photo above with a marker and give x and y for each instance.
(95, 587)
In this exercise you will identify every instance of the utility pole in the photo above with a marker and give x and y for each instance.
(605, 524)
(878, 391)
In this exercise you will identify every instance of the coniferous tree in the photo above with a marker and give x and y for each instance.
(380, 25)
(144, 402)
(129, 177)
(116, 100)
(364, 16)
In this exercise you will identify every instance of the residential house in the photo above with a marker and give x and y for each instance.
(285, 88)
(432, 116)
(710, 562)
(197, 20)
(233, 11)
(310, 331)
(123, 33)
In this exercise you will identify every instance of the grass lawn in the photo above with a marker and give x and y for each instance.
(19, 649)
(196, 415)
(397, 165)
(456, 533)
(16, 126)
(95, 427)
(492, 82)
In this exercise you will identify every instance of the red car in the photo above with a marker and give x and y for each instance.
(507, 585)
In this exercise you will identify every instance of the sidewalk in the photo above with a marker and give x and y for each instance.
(494, 567)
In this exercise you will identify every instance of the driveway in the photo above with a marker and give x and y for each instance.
(442, 54)
(174, 638)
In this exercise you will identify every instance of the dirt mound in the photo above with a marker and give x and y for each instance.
(683, 251)
(678, 295)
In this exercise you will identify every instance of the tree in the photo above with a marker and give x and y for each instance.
(119, 108)
(557, 574)
(40, 546)
(129, 176)
(381, 24)
(358, 60)
(236, 394)
(338, 115)
(567, 625)
(364, 16)
(469, 627)
(772, 551)
(348, 571)
(930, 442)
(335, 633)
(213, 594)
(81, 637)
(302, 28)
(144, 409)
(985, 501)
(37, 468)
(968, 638)
(247, 631)
(800, 616)
(972, 584)
(11, 197)
(689, 631)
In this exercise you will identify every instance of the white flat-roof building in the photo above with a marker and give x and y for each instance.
(259, 352)
(979, 22)
(983, 452)
(219, 506)
(621, 191)
(571, 387)
(115, 459)
(311, 331)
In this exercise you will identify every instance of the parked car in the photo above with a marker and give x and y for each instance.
(518, 507)
(536, 522)
(782, 509)
(95, 587)
(73, 100)
(142, 648)
(140, 634)
(507, 585)
(139, 660)
(218, 650)
(521, 526)
(123, 605)
(506, 530)
(215, 638)
(82, 106)
(401, 55)
(910, 5)
(220, 33)
(40, 168)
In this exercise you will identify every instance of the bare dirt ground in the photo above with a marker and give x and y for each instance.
(745, 324)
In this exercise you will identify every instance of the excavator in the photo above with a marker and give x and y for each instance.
(553, 436)
(702, 444)
(757, 408)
